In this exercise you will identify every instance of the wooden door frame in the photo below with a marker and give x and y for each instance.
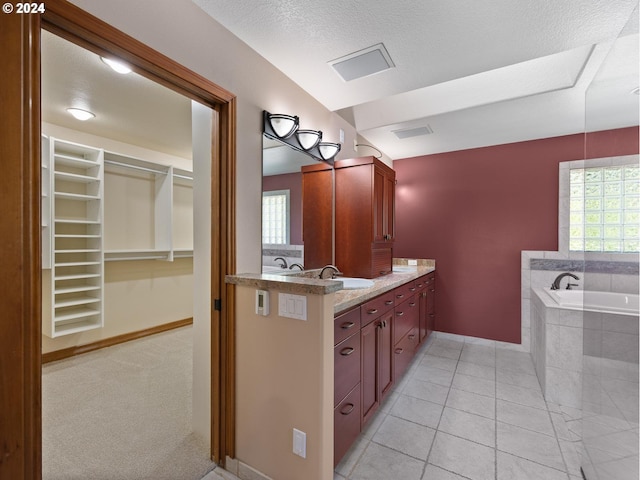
(20, 231)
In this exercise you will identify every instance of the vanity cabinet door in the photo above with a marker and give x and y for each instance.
(421, 286)
(377, 363)
(404, 350)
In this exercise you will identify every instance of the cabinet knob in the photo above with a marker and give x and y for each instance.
(400, 295)
(412, 289)
(345, 352)
(399, 314)
(399, 351)
(389, 302)
(372, 311)
(347, 325)
(412, 304)
(411, 337)
(347, 409)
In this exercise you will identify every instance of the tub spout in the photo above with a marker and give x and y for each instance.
(556, 283)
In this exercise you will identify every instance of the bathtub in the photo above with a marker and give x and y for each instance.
(605, 302)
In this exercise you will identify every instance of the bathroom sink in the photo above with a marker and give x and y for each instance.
(351, 283)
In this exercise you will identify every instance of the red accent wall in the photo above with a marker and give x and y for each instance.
(293, 183)
(474, 211)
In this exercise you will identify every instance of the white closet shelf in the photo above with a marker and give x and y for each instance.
(69, 235)
(75, 264)
(75, 313)
(75, 177)
(77, 221)
(75, 196)
(74, 302)
(77, 276)
(76, 326)
(78, 289)
(183, 253)
(71, 161)
(93, 250)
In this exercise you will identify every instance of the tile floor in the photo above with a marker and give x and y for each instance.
(467, 409)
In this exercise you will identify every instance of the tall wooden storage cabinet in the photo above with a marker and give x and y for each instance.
(365, 214)
(317, 215)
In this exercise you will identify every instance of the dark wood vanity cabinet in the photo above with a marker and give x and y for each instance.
(317, 215)
(374, 345)
(365, 216)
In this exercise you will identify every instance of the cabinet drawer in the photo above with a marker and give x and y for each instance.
(346, 366)
(403, 352)
(346, 424)
(375, 308)
(346, 324)
(403, 292)
(407, 315)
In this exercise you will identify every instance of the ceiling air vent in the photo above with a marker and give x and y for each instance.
(413, 132)
(363, 63)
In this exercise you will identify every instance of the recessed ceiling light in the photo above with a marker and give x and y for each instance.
(80, 114)
(363, 63)
(117, 65)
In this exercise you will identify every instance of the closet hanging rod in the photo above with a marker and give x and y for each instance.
(135, 167)
(182, 176)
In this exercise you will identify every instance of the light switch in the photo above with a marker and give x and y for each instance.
(299, 443)
(292, 306)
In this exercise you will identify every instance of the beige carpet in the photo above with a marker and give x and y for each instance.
(123, 413)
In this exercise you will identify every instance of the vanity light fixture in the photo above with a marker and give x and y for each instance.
(283, 126)
(80, 114)
(308, 138)
(117, 65)
(328, 150)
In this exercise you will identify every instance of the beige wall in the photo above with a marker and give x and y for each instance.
(285, 381)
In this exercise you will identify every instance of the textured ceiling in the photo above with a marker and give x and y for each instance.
(478, 73)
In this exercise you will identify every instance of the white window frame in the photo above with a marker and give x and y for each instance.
(286, 225)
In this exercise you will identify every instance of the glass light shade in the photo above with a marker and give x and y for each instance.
(328, 150)
(283, 125)
(80, 114)
(308, 138)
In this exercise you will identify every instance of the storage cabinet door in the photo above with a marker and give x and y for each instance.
(385, 355)
(379, 210)
(431, 306)
(369, 364)
(389, 207)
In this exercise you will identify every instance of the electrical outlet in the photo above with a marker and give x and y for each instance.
(299, 443)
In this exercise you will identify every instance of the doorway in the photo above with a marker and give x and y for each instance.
(20, 295)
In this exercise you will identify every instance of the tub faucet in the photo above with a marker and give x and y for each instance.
(556, 283)
(335, 272)
(283, 264)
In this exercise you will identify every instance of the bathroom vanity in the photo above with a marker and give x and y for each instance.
(325, 372)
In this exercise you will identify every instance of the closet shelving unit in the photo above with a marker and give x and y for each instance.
(155, 239)
(72, 230)
(82, 227)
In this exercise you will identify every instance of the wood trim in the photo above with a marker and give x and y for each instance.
(74, 24)
(111, 341)
(20, 282)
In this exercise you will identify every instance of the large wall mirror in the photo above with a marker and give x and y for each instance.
(283, 245)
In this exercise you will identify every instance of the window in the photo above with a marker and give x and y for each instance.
(604, 209)
(275, 217)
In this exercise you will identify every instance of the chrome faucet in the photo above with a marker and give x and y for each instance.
(283, 264)
(334, 274)
(296, 265)
(556, 283)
